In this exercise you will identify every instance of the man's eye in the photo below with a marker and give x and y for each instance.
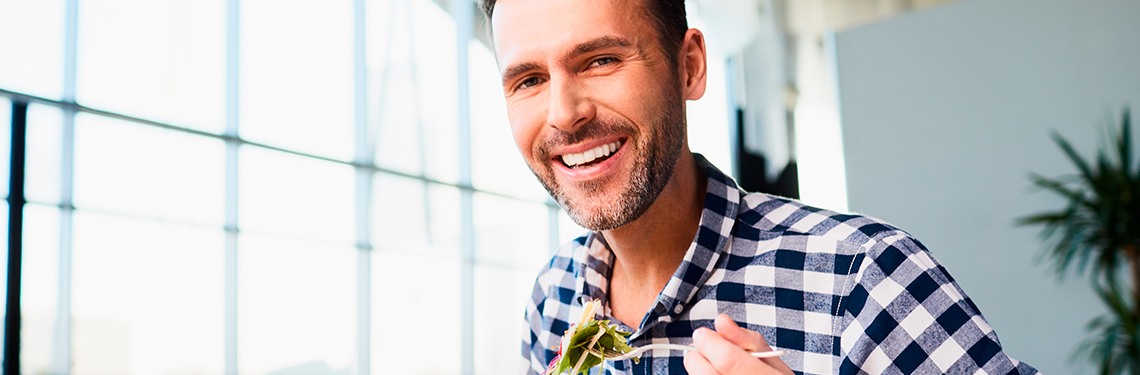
(602, 61)
(529, 82)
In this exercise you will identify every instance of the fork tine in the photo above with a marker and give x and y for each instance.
(637, 351)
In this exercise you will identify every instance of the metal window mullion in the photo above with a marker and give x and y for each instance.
(70, 49)
(61, 340)
(15, 238)
(61, 343)
(230, 262)
(230, 347)
(467, 283)
(463, 12)
(554, 238)
(364, 156)
(363, 273)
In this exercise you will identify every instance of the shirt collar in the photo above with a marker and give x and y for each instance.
(722, 201)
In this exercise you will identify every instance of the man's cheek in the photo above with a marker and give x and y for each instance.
(523, 141)
(531, 156)
(525, 130)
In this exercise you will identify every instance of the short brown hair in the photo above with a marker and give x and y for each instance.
(668, 17)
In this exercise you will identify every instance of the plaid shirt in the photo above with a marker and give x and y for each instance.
(841, 293)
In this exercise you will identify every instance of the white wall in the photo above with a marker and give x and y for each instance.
(945, 112)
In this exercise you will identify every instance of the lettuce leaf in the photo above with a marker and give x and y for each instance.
(589, 343)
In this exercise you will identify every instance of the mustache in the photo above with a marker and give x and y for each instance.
(596, 128)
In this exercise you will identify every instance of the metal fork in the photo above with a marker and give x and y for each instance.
(636, 352)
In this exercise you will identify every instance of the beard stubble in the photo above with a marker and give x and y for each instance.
(656, 153)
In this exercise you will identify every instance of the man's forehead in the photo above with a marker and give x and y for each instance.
(523, 27)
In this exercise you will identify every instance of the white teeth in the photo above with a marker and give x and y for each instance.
(590, 155)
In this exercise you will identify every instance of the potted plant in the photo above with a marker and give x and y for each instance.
(1098, 231)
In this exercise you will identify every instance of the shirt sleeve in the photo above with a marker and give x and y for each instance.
(533, 352)
(905, 314)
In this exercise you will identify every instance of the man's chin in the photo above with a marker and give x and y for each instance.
(598, 213)
(596, 221)
(598, 204)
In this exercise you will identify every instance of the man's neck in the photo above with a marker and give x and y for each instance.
(648, 250)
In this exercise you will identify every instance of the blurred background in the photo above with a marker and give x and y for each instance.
(303, 187)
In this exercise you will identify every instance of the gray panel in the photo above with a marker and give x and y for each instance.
(946, 111)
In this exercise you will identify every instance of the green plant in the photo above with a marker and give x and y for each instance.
(1099, 231)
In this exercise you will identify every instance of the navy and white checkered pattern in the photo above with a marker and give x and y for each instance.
(841, 293)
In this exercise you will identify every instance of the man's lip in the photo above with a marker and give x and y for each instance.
(583, 147)
(592, 171)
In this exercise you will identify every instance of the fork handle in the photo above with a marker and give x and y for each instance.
(637, 351)
(769, 354)
(763, 354)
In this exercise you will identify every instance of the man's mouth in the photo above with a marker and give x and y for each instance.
(590, 157)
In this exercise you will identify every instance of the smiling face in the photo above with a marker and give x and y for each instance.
(595, 107)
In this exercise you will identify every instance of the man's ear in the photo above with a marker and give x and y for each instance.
(693, 65)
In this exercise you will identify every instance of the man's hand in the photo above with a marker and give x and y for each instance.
(725, 352)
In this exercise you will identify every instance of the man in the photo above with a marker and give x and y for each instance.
(595, 93)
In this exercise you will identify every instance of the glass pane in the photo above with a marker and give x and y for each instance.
(496, 164)
(411, 312)
(297, 306)
(500, 301)
(510, 232)
(405, 218)
(295, 196)
(147, 297)
(31, 36)
(159, 60)
(296, 75)
(412, 70)
(39, 292)
(5, 143)
(44, 152)
(143, 170)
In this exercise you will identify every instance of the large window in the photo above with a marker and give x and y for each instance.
(273, 187)
(263, 186)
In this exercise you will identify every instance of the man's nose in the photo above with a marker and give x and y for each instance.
(569, 108)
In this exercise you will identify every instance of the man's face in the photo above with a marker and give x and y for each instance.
(595, 108)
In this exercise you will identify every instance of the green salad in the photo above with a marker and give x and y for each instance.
(588, 343)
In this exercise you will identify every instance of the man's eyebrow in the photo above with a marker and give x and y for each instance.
(600, 43)
(580, 49)
(518, 69)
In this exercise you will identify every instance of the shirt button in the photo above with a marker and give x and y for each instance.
(677, 309)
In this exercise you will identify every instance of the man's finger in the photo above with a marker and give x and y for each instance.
(726, 357)
(697, 364)
(748, 340)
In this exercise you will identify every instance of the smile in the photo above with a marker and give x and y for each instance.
(592, 156)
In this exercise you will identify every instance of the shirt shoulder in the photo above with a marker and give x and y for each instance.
(827, 246)
(897, 310)
(778, 216)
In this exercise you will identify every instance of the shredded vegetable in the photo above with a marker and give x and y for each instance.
(588, 343)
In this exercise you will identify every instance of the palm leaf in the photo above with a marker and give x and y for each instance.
(1097, 232)
(1086, 172)
(1058, 187)
(1124, 146)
